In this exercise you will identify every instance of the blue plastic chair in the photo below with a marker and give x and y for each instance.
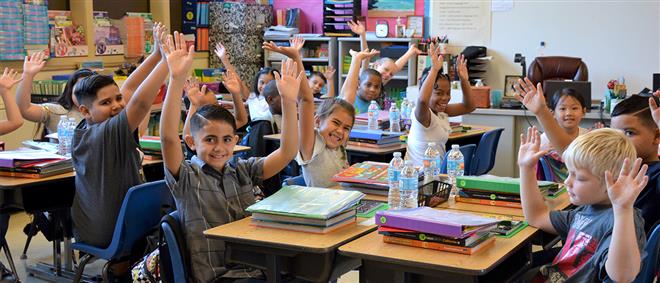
(297, 180)
(141, 211)
(174, 263)
(484, 157)
(468, 154)
(651, 263)
(546, 169)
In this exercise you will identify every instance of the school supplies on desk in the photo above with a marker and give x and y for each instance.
(307, 202)
(374, 136)
(440, 222)
(33, 164)
(487, 242)
(469, 241)
(499, 184)
(17, 158)
(368, 208)
(365, 173)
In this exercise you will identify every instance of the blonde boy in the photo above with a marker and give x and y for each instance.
(603, 236)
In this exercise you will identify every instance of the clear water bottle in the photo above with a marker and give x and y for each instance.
(393, 174)
(372, 113)
(540, 52)
(62, 135)
(430, 159)
(455, 167)
(72, 127)
(408, 185)
(404, 109)
(395, 118)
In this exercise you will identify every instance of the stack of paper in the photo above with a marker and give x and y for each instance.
(33, 163)
(280, 32)
(307, 209)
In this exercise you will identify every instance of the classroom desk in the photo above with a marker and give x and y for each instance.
(306, 256)
(360, 153)
(384, 262)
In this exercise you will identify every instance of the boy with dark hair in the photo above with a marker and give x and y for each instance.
(272, 96)
(633, 117)
(105, 151)
(209, 190)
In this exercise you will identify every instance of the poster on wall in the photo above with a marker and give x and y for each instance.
(391, 8)
(463, 22)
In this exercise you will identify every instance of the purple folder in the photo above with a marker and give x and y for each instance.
(448, 223)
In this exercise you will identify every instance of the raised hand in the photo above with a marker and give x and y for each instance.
(292, 51)
(655, 108)
(530, 148)
(232, 82)
(179, 59)
(357, 27)
(33, 64)
(9, 78)
(329, 72)
(413, 48)
(624, 190)
(436, 57)
(198, 98)
(364, 54)
(287, 83)
(530, 96)
(461, 62)
(296, 43)
(220, 50)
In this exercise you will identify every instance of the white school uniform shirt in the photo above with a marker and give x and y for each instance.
(545, 142)
(258, 108)
(419, 136)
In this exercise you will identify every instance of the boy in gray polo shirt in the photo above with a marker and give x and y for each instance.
(105, 153)
(209, 190)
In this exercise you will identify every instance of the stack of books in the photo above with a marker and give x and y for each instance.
(498, 191)
(280, 32)
(306, 209)
(443, 230)
(374, 138)
(362, 119)
(367, 177)
(151, 147)
(33, 164)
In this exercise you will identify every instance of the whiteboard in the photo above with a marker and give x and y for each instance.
(614, 38)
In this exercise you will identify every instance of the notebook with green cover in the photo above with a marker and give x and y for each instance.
(307, 202)
(498, 184)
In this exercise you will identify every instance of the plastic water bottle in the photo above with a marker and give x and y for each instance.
(430, 159)
(408, 185)
(395, 118)
(540, 51)
(393, 174)
(455, 167)
(62, 129)
(372, 113)
(72, 127)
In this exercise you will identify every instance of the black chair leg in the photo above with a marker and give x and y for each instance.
(10, 260)
(31, 231)
(81, 267)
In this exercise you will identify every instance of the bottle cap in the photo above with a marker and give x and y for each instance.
(455, 146)
(397, 154)
(432, 144)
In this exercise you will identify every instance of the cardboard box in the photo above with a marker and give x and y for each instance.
(481, 96)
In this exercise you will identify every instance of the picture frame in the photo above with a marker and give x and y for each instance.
(416, 23)
(509, 82)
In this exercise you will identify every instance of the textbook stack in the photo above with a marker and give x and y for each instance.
(151, 147)
(374, 138)
(362, 120)
(443, 230)
(33, 164)
(367, 177)
(498, 191)
(306, 209)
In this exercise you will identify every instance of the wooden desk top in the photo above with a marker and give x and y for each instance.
(476, 130)
(240, 148)
(372, 247)
(242, 232)
(12, 182)
(559, 203)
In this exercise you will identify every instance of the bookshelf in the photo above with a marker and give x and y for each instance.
(401, 80)
(336, 13)
(318, 51)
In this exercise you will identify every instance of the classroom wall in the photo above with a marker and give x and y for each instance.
(614, 38)
(312, 13)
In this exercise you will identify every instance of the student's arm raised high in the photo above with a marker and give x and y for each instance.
(139, 105)
(288, 84)
(234, 84)
(358, 28)
(533, 98)
(536, 212)
(403, 60)
(467, 106)
(623, 258)
(14, 120)
(349, 89)
(222, 53)
(198, 98)
(179, 61)
(422, 111)
(329, 75)
(31, 67)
